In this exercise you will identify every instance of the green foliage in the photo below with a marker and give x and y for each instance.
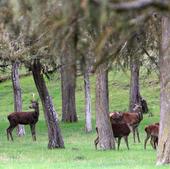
(79, 149)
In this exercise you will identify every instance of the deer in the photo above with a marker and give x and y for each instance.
(119, 128)
(133, 119)
(24, 118)
(152, 131)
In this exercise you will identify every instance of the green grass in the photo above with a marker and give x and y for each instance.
(79, 149)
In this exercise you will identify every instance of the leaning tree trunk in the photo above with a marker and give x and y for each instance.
(54, 133)
(88, 124)
(106, 139)
(17, 94)
(134, 97)
(163, 156)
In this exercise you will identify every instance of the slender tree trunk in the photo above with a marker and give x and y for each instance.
(106, 139)
(68, 84)
(163, 155)
(88, 125)
(134, 97)
(17, 94)
(54, 133)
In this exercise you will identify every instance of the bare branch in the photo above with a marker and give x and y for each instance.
(137, 5)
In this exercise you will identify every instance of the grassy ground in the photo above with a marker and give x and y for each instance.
(79, 149)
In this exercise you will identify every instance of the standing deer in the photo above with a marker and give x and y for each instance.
(133, 119)
(24, 118)
(119, 128)
(152, 131)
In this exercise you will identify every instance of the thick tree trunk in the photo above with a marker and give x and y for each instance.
(134, 97)
(88, 124)
(163, 156)
(54, 133)
(68, 84)
(68, 60)
(106, 139)
(17, 94)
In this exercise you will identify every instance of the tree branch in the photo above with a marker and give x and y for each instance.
(137, 5)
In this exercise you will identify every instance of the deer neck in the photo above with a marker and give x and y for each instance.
(37, 110)
(140, 115)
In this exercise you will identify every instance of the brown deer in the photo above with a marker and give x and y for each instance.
(120, 129)
(152, 131)
(133, 119)
(24, 118)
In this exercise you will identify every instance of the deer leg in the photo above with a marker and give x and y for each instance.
(119, 139)
(126, 141)
(137, 132)
(147, 138)
(154, 142)
(32, 126)
(96, 141)
(133, 130)
(7, 132)
(10, 132)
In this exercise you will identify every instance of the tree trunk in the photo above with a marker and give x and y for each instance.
(68, 60)
(163, 156)
(88, 125)
(106, 139)
(134, 97)
(54, 133)
(68, 84)
(17, 94)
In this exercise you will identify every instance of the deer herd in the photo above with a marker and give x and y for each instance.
(122, 124)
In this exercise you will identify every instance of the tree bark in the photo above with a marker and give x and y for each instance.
(68, 60)
(17, 94)
(163, 155)
(88, 124)
(68, 84)
(134, 97)
(54, 133)
(106, 139)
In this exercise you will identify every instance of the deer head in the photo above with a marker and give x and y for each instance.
(137, 108)
(116, 117)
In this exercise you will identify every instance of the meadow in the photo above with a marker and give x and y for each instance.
(79, 149)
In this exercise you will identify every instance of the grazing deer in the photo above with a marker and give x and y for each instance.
(24, 118)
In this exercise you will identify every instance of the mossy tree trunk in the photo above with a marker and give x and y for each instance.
(163, 155)
(17, 94)
(134, 97)
(106, 139)
(68, 60)
(68, 85)
(88, 123)
(54, 134)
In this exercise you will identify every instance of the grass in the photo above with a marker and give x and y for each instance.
(79, 149)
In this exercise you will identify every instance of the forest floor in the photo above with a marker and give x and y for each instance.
(79, 149)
